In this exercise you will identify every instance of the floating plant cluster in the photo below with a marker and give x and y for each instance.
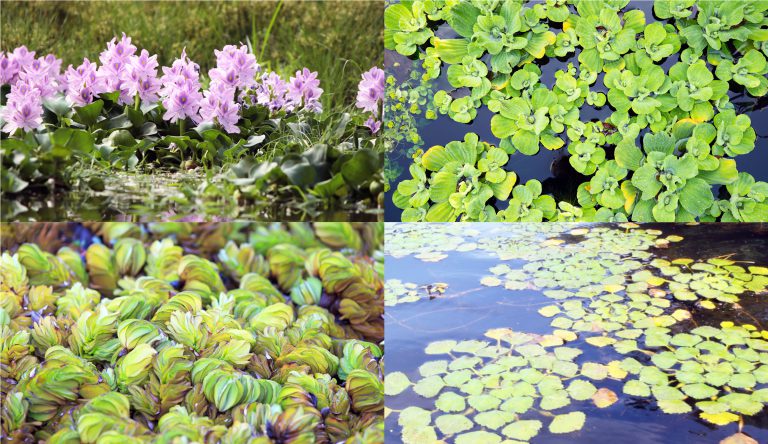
(127, 111)
(666, 150)
(232, 333)
(610, 289)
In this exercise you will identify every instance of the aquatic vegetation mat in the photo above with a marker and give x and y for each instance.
(629, 322)
(237, 333)
(648, 106)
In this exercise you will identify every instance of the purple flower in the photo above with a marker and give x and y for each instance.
(370, 90)
(240, 62)
(83, 83)
(121, 50)
(373, 124)
(43, 74)
(114, 69)
(183, 73)
(180, 89)
(19, 58)
(304, 90)
(219, 106)
(8, 69)
(24, 109)
(182, 102)
(141, 77)
(271, 91)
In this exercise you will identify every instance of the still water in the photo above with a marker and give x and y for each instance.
(467, 310)
(552, 168)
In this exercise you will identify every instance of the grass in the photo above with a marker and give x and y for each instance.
(339, 39)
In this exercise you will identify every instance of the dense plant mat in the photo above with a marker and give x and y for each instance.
(232, 333)
(614, 299)
(666, 149)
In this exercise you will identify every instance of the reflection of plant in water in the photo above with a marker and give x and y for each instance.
(609, 290)
(491, 62)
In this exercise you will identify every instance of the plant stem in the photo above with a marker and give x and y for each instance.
(136, 103)
(269, 29)
(181, 127)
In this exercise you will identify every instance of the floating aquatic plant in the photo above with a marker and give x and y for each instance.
(665, 118)
(609, 288)
(238, 333)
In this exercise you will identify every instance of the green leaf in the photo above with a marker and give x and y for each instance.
(450, 402)
(88, 115)
(567, 423)
(523, 430)
(429, 387)
(452, 424)
(363, 165)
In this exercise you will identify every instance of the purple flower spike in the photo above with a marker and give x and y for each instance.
(219, 106)
(24, 109)
(271, 91)
(180, 91)
(370, 90)
(304, 90)
(183, 102)
(240, 62)
(141, 77)
(83, 83)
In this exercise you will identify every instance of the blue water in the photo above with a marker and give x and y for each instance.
(411, 326)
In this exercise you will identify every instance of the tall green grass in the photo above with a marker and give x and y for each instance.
(339, 39)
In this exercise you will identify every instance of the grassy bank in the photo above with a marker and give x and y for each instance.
(339, 39)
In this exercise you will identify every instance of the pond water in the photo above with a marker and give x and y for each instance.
(467, 310)
(160, 196)
(552, 167)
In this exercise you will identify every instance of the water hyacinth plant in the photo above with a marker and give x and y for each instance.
(250, 130)
(238, 333)
(644, 100)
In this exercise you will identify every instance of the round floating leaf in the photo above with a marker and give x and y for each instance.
(395, 383)
(549, 311)
(522, 430)
(478, 436)
(450, 402)
(429, 387)
(433, 368)
(490, 281)
(414, 417)
(482, 403)
(739, 438)
(567, 423)
(581, 390)
(517, 404)
(604, 398)
(419, 435)
(720, 419)
(494, 419)
(674, 406)
(637, 388)
(452, 424)
(594, 371)
(700, 391)
(439, 347)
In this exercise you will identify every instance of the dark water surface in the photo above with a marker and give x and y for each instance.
(552, 167)
(160, 196)
(411, 326)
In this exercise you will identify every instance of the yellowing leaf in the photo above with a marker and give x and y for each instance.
(604, 398)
